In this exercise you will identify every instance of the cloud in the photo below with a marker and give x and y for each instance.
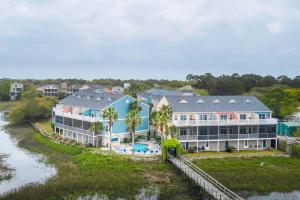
(275, 27)
(97, 20)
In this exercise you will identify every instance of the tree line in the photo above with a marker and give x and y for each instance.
(236, 84)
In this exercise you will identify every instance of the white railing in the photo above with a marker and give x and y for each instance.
(60, 112)
(75, 129)
(227, 136)
(223, 122)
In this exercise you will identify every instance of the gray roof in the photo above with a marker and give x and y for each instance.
(96, 97)
(162, 92)
(216, 104)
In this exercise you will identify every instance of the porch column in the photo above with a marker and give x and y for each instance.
(197, 145)
(238, 147)
(276, 143)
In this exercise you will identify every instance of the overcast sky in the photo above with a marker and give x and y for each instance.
(148, 38)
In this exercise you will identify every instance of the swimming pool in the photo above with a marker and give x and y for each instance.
(140, 147)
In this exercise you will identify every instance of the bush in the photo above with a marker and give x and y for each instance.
(296, 150)
(230, 149)
(88, 145)
(158, 139)
(192, 149)
(171, 144)
(52, 126)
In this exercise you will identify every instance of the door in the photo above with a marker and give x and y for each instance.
(264, 143)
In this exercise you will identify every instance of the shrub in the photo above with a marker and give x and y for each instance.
(171, 144)
(52, 126)
(88, 145)
(192, 149)
(296, 150)
(158, 139)
(230, 149)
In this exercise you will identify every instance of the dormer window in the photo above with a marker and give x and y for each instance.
(109, 99)
(98, 99)
(216, 101)
(247, 101)
(183, 101)
(200, 101)
(232, 101)
(79, 97)
(88, 97)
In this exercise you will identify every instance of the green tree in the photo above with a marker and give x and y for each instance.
(97, 127)
(155, 121)
(112, 115)
(171, 144)
(32, 107)
(133, 120)
(203, 92)
(135, 105)
(174, 131)
(4, 90)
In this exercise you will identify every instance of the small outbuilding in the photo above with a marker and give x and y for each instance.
(287, 128)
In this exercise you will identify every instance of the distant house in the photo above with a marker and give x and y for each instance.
(214, 123)
(186, 87)
(16, 90)
(117, 90)
(74, 115)
(50, 90)
(72, 89)
(154, 95)
(126, 85)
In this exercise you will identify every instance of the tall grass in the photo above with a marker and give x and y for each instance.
(82, 172)
(259, 174)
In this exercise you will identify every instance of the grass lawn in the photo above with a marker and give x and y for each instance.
(5, 105)
(281, 174)
(211, 154)
(81, 172)
(46, 125)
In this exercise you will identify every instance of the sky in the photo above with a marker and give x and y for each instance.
(141, 39)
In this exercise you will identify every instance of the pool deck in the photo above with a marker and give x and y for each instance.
(126, 148)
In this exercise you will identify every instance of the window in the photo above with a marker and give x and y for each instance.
(203, 117)
(243, 130)
(242, 116)
(223, 117)
(175, 117)
(183, 131)
(74, 135)
(107, 128)
(114, 139)
(246, 143)
(183, 117)
(223, 131)
(262, 116)
(203, 131)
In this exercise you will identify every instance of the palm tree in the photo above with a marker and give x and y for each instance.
(174, 131)
(135, 105)
(167, 111)
(132, 120)
(155, 120)
(112, 115)
(97, 127)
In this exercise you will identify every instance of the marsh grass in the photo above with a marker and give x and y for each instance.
(257, 174)
(80, 172)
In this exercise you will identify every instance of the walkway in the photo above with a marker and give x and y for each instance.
(201, 178)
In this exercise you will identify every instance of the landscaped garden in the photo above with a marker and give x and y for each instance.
(81, 172)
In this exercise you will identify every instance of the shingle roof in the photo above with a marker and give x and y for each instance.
(161, 92)
(95, 97)
(216, 104)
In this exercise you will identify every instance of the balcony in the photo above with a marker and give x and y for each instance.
(59, 112)
(227, 136)
(224, 122)
(75, 129)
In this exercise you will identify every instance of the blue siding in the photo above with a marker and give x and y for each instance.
(95, 113)
(122, 107)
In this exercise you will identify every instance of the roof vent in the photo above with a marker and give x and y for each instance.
(109, 99)
(216, 101)
(79, 97)
(183, 101)
(98, 99)
(232, 101)
(247, 101)
(88, 97)
(200, 101)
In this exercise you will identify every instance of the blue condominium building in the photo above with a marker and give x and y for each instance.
(74, 115)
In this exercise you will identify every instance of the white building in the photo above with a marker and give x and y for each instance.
(117, 90)
(15, 90)
(50, 90)
(215, 122)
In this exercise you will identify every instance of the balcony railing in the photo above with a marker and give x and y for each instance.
(227, 136)
(59, 112)
(224, 122)
(75, 129)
